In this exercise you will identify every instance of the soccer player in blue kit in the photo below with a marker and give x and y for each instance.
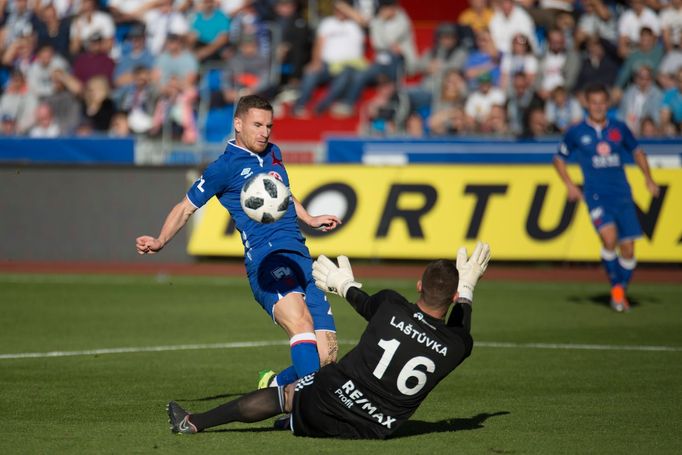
(278, 263)
(600, 146)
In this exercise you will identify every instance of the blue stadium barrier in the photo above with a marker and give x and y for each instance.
(463, 150)
(86, 150)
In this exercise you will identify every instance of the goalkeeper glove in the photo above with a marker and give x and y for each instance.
(471, 269)
(330, 278)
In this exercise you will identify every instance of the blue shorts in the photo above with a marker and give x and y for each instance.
(283, 272)
(621, 212)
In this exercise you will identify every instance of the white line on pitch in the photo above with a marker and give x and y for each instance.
(254, 344)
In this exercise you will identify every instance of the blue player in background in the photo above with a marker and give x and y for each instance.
(278, 263)
(600, 146)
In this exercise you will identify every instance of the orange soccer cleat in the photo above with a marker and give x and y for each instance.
(618, 300)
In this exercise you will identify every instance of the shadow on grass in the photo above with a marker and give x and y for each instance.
(604, 299)
(419, 427)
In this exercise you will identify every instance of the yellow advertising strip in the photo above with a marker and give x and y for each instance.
(425, 212)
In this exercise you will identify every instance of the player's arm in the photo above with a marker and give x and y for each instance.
(640, 159)
(574, 192)
(176, 219)
(323, 222)
(470, 270)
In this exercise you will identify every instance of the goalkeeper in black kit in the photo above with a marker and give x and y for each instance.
(404, 352)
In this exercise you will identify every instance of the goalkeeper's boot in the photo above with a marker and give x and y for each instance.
(179, 419)
(282, 422)
(265, 378)
(619, 302)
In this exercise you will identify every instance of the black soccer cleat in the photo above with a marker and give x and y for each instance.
(179, 419)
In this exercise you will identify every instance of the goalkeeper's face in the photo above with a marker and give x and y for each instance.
(253, 130)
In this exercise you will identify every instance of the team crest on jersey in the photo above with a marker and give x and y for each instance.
(276, 175)
(246, 172)
(585, 139)
(603, 148)
(614, 135)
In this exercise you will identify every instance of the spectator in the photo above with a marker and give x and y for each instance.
(176, 75)
(293, 49)
(477, 16)
(64, 101)
(631, 23)
(128, 11)
(538, 126)
(522, 98)
(508, 20)
(209, 33)
(90, 22)
(484, 60)
(671, 25)
(671, 111)
(247, 73)
(382, 111)
(394, 48)
(599, 64)
(18, 104)
(8, 125)
(548, 13)
(98, 108)
(648, 53)
(52, 30)
(137, 55)
(249, 22)
(338, 51)
(119, 125)
(160, 22)
(94, 61)
(596, 20)
(39, 76)
(45, 126)
(641, 99)
(562, 109)
(479, 104)
(670, 65)
(17, 24)
(520, 60)
(649, 129)
(447, 112)
(445, 54)
(19, 55)
(138, 99)
(559, 66)
(496, 123)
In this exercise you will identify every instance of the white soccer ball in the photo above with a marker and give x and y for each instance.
(264, 198)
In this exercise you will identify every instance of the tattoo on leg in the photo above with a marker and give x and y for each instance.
(332, 347)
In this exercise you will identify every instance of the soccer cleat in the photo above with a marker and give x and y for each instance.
(179, 419)
(282, 422)
(265, 378)
(619, 302)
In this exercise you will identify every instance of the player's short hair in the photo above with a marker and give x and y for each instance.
(439, 283)
(251, 102)
(596, 88)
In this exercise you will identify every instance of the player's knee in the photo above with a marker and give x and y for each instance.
(289, 397)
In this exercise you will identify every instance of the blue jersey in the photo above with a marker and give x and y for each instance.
(600, 152)
(224, 179)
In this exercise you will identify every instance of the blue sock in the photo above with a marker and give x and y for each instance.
(286, 376)
(609, 260)
(304, 353)
(625, 269)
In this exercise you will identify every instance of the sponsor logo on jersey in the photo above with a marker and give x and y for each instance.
(420, 337)
(420, 317)
(276, 175)
(603, 148)
(350, 396)
(246, 172)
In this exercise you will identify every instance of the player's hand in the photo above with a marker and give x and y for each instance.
(574, 193)
(653, 188)
(148, 245)
(332, 278)
(471, 269)
(324, 222)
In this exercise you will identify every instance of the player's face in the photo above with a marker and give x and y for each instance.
(253, 130)
(597, 106)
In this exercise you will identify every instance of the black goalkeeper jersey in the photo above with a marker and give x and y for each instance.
(402, 355)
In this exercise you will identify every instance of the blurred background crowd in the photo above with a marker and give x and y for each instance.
(505, 68)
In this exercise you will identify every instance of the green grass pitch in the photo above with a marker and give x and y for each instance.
(521, 396)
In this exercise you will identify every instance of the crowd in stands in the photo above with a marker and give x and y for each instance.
(505, 68)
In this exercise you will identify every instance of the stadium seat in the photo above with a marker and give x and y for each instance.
(218, 123)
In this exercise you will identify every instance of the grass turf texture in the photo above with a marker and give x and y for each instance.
(515, 400)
